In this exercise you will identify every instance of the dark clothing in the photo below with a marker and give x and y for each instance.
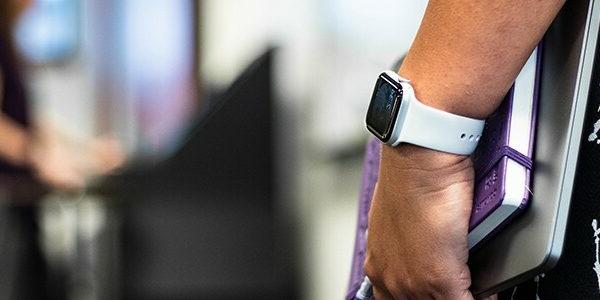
(14, 97)
(26, 274)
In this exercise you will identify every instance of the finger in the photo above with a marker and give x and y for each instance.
(467, 295)
(381, 294)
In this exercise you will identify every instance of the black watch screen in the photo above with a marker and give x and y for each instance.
(383, 109)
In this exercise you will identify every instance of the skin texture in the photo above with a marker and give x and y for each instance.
(464, 58)
(15, 145)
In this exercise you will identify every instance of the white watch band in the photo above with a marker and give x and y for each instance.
(432, 128)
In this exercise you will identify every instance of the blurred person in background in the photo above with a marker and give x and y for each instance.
(50, 155)
(35, 158)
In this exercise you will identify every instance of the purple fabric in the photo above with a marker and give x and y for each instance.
(490, 189)
(14, 94)
(369, 179)
(489, 193)
(495, 136)
(509, 152)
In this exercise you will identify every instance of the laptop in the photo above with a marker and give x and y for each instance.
(533, 242)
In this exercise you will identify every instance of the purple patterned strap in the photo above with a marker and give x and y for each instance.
(501, 152)
(369, 179)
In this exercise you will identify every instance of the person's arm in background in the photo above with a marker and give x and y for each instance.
(21, 148)
(52, 161)
(463, 60)
(13, 143)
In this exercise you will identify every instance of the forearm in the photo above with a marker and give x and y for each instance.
(467, 53)
(15, 138)
(464, 59)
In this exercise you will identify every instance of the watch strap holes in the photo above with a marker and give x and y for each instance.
(470, 138)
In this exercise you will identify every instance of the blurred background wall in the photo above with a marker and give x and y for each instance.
(329, 53)
(154, 74)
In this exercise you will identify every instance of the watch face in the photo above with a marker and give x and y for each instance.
(383, 109)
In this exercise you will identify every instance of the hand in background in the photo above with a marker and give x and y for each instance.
(418, 225)
(65, 163)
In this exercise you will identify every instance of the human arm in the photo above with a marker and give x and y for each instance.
(463, 60)
(14, 137)
(56, 159)
(49, 161)
(467, 54)
(14, 141)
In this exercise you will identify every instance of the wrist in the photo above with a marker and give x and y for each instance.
(22, 144)
(448, 93)
(26, 159)
(409, 167)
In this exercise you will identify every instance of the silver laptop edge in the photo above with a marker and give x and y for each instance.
(580, 101)
(535, 242)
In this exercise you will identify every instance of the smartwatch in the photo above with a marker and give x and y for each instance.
(396, 116)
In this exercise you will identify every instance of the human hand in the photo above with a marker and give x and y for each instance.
(418, 225)
(52, 163)
(66, 163)
(104, 155)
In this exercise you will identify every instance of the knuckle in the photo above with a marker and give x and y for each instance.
(372, 271)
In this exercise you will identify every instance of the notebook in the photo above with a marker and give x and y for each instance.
(503, 158)
(503, 162)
